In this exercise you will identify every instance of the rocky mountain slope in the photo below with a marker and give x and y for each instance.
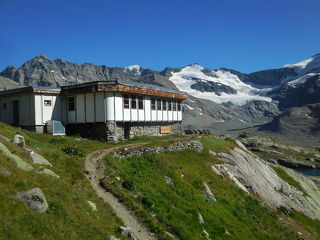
(6, 84)
(233, 99)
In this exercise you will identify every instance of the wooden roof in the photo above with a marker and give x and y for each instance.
(123, 87)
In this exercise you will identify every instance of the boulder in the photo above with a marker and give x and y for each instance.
(23, 165)
(49, 172)
(201, 221)
(209, 193)
(19, 140)
(169, 181)
(35, 199)
(127, 232)
(38, 159)
(5, 173)
(92, 205)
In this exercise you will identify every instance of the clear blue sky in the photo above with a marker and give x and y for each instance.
(246, 35)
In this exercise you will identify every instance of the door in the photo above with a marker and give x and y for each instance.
(126, 129)
(16, 112)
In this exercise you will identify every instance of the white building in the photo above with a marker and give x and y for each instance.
(110, 110)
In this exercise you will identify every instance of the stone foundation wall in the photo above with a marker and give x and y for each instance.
(112, 131)
(146, 129)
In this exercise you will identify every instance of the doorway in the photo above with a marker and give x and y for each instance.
(16, 112)
(126, 130)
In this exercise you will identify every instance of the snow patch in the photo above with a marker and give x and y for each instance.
(135, 69)
(189, 75)
(307, 65)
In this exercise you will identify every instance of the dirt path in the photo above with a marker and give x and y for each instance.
(95, 173)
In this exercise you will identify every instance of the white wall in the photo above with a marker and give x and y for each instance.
(116, 111)
(44, 113)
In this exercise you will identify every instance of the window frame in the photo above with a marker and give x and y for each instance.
(153, 104)
(174, 105)
(126, 98)
(179, 107)
(140, 102)
(159, 101)
(133, 101)
(47, 103)
(71, 103)
(164, 105)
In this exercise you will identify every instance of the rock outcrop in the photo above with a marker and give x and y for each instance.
(35, 199)
(255, 176)
(23, 165)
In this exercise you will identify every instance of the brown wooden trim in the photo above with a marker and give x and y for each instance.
(46, 91)
(144, 91)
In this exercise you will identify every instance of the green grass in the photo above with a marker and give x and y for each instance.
(142, 188)
(214, 144)
(69, 215)
(287, 178)
(174, 208)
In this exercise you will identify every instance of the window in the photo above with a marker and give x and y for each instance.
(153, 104)
(164, 105)
(133, 102)
(71, 103)
(140, 102)
(4, 105)
(47, 102)
(158, 104)
(174, 106)
(179, 106)
(170, 105)
(125, 101)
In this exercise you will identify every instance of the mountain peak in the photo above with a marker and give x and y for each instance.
(303, 66)
(133, 69)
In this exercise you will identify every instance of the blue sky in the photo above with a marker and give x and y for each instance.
(246, 35)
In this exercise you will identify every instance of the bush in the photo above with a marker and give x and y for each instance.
(73, 150)
(129, 185)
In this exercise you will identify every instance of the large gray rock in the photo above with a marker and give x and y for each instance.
(23, 165)
(127, 232)
(254, 175)
(49, 172)
(38, 159)
(19, 140)
(209, 192)
(35, 199)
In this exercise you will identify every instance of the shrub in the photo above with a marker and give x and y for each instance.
(73, 150)
(129, 185)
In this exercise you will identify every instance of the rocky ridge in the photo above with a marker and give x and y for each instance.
(256, 176)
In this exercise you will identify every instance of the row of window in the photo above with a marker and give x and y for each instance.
(132, 100)
(156, 103)
(165, 104)
(138, 102)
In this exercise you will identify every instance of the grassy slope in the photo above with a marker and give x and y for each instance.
(175, 208)
(69, 215)
(160, 205)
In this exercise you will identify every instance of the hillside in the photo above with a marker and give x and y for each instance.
(6, 83)
(223, 100)
(171, 193)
